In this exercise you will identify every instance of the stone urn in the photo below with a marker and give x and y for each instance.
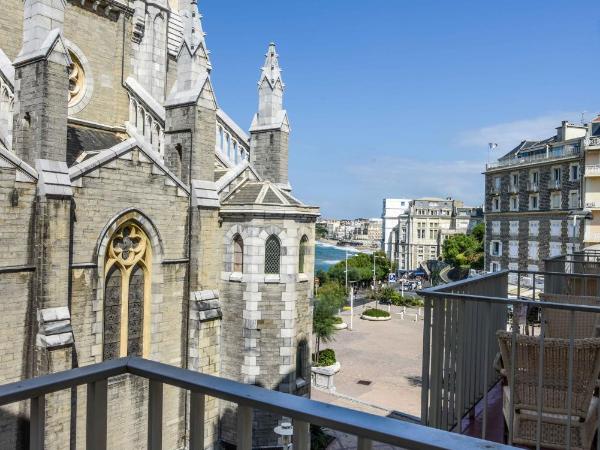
(322, 377)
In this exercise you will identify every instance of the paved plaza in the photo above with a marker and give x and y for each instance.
(381, 368)
(381, 364)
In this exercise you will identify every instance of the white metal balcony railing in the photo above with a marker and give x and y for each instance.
(594, 141)
(513, 189)
(591, 205)
(592, 170)
(302, 411)
(554, 184)
(563, 151)
(592, 238)
(533, 186)
(546, 386)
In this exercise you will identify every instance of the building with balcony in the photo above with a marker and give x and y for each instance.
(533, 201)
(418, 233)
(591, 201)
(138, 219)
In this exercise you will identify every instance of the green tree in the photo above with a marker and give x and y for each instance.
(321, 231)
(465, 250)
(330, 299)
(323, 322)
(360, 268)
(334, 293)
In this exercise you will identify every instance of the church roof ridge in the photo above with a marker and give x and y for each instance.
(18, 163)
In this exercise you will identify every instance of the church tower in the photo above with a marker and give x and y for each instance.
(270, 127)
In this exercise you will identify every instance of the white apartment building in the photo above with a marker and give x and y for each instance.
(393, 208)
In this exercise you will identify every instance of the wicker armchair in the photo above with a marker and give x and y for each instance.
(558, 321)
(584, 405)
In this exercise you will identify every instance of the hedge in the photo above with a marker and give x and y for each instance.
(376, 313)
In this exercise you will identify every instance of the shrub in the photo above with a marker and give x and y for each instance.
(338, 320)
(408, 301)
(326, 358)
(394, 297)
(319, 440)
(376, 313)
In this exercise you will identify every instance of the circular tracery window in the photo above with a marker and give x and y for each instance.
(76, 80)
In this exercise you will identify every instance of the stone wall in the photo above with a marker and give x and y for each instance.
(269, 154)
(161, 209)
(11, 27)
(16, 240)
(265, 316)
(101, 40)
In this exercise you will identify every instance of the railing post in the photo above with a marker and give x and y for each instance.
(95, 435)
(301, 435)
(155, 413)
(197, 406)
(244, 428)
(426, 361)
(37, 411)
(364, 443)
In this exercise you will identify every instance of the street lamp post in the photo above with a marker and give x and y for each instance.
(351, 306)
(285, 432)
(346, 270)
(375, 281)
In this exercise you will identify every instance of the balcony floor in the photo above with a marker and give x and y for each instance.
(472, 426)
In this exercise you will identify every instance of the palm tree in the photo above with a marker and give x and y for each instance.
(323, 323)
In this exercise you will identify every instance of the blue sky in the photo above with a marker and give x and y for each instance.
(399, 98)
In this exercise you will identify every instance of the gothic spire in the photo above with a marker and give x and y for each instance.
(271, 71)
(194, 35)
(270, 91)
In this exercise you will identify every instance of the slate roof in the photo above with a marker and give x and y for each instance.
(260, 193)
(245, 194)
(525, 147)
(85, 139)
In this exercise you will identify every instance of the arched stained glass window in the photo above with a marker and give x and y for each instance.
(126, 293)
(302, 253)
(238, 253)
(272, 255)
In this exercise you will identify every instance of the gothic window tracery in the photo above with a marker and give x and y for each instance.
(76, 80)
(126, 292)
(272, 255)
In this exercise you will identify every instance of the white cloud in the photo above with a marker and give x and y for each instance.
(508, 135)
(414, 178)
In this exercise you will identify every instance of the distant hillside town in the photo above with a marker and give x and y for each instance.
(365, 234)
(410, 232)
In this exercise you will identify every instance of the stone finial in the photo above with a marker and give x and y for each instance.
(270, 93)
(194, 35)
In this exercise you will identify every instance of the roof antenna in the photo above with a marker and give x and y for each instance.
(583, 117)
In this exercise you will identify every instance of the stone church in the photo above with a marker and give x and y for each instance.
(138, 219)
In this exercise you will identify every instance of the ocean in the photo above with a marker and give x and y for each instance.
(327, 255)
